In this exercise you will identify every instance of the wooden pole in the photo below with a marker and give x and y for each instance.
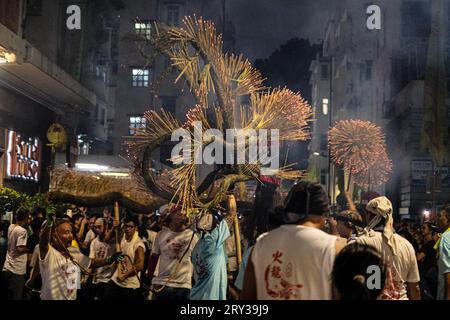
(433, 193)
(116, 217)
(118, 249)
(232, 207)
(349, 179)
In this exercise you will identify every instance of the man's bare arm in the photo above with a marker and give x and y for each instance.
(22, 250)
(80, 233)
(413, 290)
(44, 240)
(351, 204)
(138, 263)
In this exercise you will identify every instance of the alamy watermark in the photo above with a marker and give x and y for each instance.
(73, 22)
(239, 146)
(373, 281)
(374, 20)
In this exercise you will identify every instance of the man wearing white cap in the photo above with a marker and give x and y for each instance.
(402, 281)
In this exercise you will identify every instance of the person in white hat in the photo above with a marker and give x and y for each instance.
(402, 281)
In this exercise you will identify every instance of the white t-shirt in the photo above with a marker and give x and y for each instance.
(151, 236)
(400, 269)
(170, 246)
(60, 276)
(15, 262)
(90, 235)
(129, 249)
(35, 256)
(101, 250)
(294, 262)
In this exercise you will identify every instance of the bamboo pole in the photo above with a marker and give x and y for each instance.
(116, 217)
(349, 179)
(232, 207)
(118, 249)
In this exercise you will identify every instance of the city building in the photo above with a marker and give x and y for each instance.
(52, 73)
(145, 79)
(319, 165)
(378, 75)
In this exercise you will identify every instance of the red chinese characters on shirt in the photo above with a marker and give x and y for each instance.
(100, 253)
(68, 271)
(276, 279)
(176, 248)
(392, 289)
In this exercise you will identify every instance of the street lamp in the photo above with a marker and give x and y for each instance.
(6, 57)
(426, 215)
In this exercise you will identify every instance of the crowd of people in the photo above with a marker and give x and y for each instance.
(309, 253)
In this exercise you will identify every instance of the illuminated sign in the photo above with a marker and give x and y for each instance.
(23, 157)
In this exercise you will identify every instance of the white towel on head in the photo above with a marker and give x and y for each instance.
(382, 208)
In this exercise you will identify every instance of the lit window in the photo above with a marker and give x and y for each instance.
(140, 77)
(136, 122)
(173, 15)
(325, 106)
(143, 29)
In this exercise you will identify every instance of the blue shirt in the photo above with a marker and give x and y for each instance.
(239, 282)
(444, 263)
(210, 265)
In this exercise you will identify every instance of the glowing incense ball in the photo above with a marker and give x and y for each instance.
(376, 175)
(356, 144)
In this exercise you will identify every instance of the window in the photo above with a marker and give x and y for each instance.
(325, 106)
(323, 72)
(140, 77)
(136, 122)
(83, 145)
(103, 117)
(324, 142)
(369, 69)
(143, 29)
(416, 19)
(173, 15)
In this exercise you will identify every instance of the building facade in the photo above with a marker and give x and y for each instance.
(43, 81)
(146, 80)
(378, 75)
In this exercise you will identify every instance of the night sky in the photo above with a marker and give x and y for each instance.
(263, 25)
